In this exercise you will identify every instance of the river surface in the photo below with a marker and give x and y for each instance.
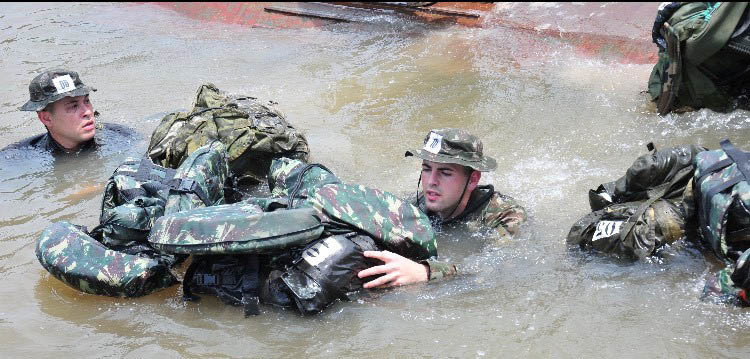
(557, 123)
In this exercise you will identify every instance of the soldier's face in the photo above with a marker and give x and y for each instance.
(70, 121)
(443, 185)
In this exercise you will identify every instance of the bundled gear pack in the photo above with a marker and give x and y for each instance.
(722, 192)
(253, 132)
(305, 243)
(115, 258)
(704, 55)
(643, 210)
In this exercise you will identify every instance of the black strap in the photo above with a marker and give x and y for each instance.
(187, 293)
(185, 185)
(654, 194)
(251, 286)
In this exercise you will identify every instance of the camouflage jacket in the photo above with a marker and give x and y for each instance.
(485, 209)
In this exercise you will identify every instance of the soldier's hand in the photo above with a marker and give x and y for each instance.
(396, 270)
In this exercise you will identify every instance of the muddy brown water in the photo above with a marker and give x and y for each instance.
(558, 124)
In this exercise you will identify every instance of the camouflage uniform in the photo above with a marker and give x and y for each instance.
(485, 208)
(45, 142)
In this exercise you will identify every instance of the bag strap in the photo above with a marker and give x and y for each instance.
(654, 194)
(251, 286)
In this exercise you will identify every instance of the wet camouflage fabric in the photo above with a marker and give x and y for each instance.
(722, 286)
(208, 168)
(500, 212)
(285, 174)
(84, 264)
(401, 227)
(234, 229)
(722, 205)
(453, 145)
(253, 132)
(128, 208)
(602, 231)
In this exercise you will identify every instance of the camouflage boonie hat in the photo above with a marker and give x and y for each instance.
(54, 85)
(451, 145)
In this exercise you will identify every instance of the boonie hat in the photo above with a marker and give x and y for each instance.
(451, 145)
(53, 85)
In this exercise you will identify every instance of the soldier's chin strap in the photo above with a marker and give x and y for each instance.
(460, 199)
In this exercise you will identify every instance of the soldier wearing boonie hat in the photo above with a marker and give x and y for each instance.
(61, 102)
(452, 162)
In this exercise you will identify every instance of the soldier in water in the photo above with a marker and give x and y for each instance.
(452, 165)
(61, 101)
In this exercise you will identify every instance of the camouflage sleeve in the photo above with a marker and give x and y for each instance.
(439, 269)
(504, 214)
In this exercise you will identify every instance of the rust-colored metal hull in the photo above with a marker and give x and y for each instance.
(615, 31)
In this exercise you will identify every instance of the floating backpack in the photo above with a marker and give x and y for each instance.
(643, 210)
(704, 54)
(722, 194)
(253, 132)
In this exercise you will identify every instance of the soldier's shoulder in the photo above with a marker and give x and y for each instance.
(500, 201)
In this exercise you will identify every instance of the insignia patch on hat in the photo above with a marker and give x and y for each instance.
(63, 84)
(434, 143)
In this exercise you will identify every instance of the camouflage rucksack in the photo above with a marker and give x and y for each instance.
(722, 193)
(253, 132)
(704, 53)
(643, 210)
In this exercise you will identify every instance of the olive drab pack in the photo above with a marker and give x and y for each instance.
(704, 55)
(310, 235)
(722, 192)
(642, 211)
(253, 132)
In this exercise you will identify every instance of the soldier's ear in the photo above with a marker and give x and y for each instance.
(45, 117)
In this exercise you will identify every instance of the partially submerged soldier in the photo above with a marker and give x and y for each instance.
(452, 165)
(61, 101)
